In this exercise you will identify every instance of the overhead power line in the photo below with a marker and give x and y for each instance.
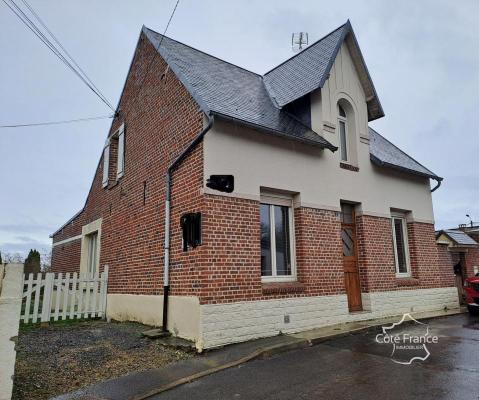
(68, 121)
(76, 69)
(152, 58)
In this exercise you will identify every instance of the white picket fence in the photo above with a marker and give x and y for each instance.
(58, 296)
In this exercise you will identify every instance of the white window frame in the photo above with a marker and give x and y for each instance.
(280, 200)
(88, 229)
(106, 164)
(344, 120)
(401, 217)
(120, 162)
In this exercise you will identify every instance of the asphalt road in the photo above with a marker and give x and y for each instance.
(355, 367)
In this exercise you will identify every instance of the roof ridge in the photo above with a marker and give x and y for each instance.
(203, 52)
(311, 45)
(403, 152)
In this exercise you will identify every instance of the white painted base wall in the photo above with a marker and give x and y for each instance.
(11, 289)
(183, 312)
(223, 324)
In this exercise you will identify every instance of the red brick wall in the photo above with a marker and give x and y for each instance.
(319, 251)
(229, 266)
(376, 254)
(472, 257)
(66, 256)
(425, 258)
(447, 259)
(158, 126)
(230, 269)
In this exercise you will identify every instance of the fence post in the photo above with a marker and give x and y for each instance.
(104, 291)
(47, 297)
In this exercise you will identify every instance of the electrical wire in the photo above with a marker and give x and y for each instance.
(152, 59)
(35, 14)
(31, 25)
(68, 121)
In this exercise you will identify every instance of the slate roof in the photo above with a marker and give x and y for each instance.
(309, 69)
(384, 153)
(304, 72)
(232, 92)
(459, 237)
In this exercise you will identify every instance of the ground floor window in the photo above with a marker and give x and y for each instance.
(277, 254)
(401, 249)
(92, 239)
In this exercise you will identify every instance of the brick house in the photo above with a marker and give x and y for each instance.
(326, 220)
(459, 248)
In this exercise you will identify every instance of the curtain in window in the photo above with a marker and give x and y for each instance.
(343, 141)
(92, 252)
(275, 240)
(400, 245)
(106, 162)
(266, 264)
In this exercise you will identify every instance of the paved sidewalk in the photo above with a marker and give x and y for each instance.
(142, 385)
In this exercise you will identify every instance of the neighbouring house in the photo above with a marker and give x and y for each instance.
(230, 205)
(459, 248)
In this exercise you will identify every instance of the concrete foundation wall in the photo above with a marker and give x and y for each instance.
(222, 324)
(183, 312)
(11, 279)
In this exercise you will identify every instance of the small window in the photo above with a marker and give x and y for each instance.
(343, 134)
(401, 250)
(191, 228)
(106, 163)
(121, 152)
(92, 252)
(277, 261)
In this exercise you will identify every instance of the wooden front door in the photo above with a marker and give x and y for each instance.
(350, 257)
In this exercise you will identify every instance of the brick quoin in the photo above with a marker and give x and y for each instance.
(225, 268)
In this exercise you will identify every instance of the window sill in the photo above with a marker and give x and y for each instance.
(282, 287)
(349, 167)
(407, 281)
(111, 184)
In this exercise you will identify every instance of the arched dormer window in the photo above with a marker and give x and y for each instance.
(343, 133)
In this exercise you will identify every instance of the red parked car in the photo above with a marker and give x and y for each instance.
(471, 293)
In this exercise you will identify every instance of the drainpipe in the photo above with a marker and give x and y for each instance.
(439, 181)
(169, 174)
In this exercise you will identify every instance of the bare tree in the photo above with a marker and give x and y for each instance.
(12, 257)
(46, 260)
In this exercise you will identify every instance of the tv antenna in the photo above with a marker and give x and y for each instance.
(299, 40)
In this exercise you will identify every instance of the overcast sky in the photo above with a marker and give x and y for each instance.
(422, 55)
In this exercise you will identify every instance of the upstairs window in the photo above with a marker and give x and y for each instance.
(114, 157)
(401, 248)
(343, 133)
(120, 166)
(106, 163)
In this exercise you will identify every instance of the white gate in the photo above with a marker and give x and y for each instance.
(58, 296)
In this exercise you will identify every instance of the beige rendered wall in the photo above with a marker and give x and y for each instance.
(343, 82)
(11, 290)
(183, 312)
(258, 159)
